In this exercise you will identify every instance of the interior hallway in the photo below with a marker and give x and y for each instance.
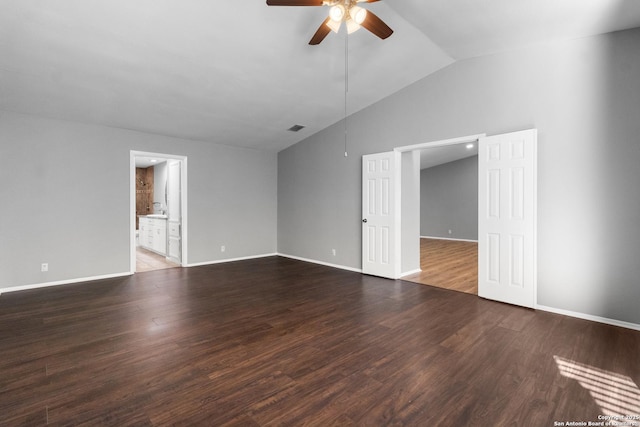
(448, 264)
(148, 261)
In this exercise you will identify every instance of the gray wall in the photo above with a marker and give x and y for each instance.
(584, 98)
(449, 200)
(65, 192)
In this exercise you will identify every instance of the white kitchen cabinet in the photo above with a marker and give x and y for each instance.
(152, 234)
(160, 236)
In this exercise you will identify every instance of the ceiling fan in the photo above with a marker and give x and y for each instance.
(346, 11)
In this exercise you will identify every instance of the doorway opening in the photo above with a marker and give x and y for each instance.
(447, 234)
(158, 211)
(507, 220)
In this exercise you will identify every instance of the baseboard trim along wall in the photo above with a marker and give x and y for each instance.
(584, 316)
(62, 282)
(111, 276)
(448, 238)
(221, 261)
(328, 264)
(409, 273)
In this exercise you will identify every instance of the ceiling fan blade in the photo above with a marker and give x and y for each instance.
(376, 25)
(294, 3)
(322, 32)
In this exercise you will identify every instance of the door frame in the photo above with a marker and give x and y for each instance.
(132, 203)
(398, 174)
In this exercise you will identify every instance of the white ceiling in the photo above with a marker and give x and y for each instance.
(430, 157)
(241, 75)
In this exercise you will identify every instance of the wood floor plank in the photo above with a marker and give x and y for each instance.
(147, 260)
(448, 264)
(275, 341)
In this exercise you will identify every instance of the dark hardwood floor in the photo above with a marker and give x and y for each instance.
(448, 264)
(275, 341)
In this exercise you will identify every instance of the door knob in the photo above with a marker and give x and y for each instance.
(364, 220)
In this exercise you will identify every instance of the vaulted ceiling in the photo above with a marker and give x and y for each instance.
(240, 72)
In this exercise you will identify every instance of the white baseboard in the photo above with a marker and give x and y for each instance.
(328, 264)
(409, 273)
(111, 276)
(448, 238)
(62, 282)
(584, 316)
(222, 261)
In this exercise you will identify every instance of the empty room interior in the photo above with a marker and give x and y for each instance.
(357, 213)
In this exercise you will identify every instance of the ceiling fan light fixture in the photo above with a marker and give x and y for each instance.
(358, 14)
(335, 26)
(337, 13)
(340, 11)
(352, 26)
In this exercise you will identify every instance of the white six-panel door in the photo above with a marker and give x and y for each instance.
(379, 215)
(507, 218)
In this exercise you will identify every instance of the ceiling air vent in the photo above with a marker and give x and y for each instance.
(296, 128)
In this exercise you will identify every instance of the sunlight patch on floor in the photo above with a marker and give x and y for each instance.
(616, 395)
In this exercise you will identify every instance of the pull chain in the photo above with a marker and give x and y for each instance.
(346, 87)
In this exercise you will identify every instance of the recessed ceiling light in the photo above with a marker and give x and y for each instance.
(469, 146)
(154, 161)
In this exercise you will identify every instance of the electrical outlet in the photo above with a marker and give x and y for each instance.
(44, 266)
(223, 248)
(450, 231)
(333, 251)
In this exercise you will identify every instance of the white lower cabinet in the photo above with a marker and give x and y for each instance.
(152, 234)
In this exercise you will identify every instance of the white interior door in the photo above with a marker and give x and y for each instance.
(507, 218)
(379, 216)
(174, 213)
